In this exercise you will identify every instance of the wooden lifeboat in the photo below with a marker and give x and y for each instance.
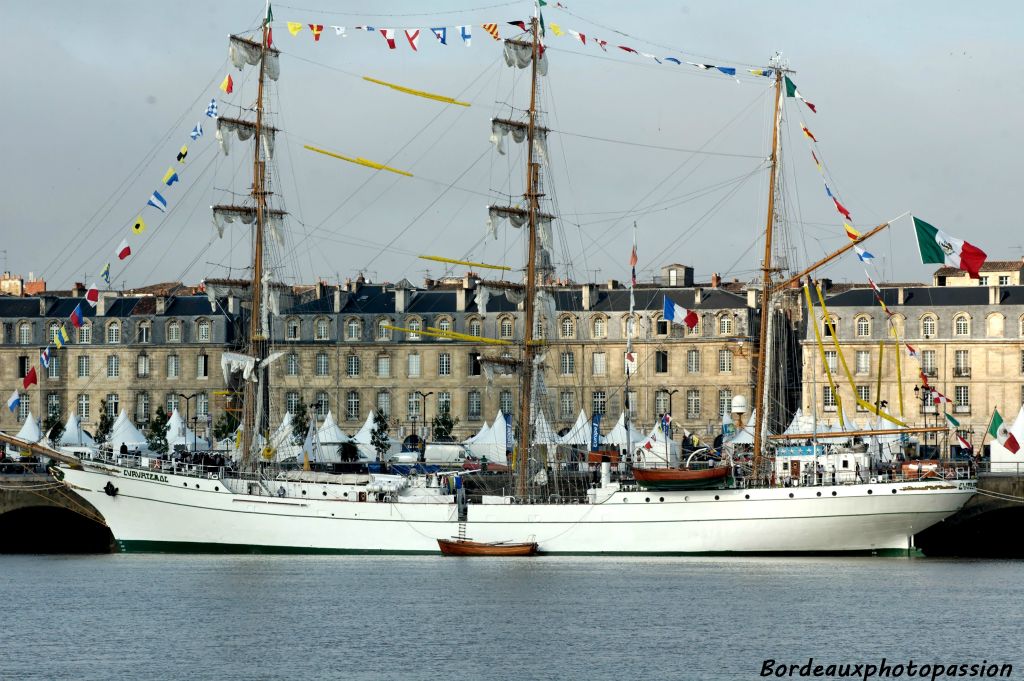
(681, 478)
(468, 547)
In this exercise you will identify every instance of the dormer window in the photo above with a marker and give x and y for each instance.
(291, 329)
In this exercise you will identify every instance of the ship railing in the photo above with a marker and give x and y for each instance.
(160, 465)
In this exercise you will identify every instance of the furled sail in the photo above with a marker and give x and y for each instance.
(519, 52)
(502, 127)
(225, 215)
(243, 51)
(233, 362)
(518, 217)
(243, 130)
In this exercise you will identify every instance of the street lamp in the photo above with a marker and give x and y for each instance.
(189, 398)
(423, 396)
(666, 422)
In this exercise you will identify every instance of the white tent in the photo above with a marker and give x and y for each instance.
(282, 436)
(363, 440)
(330, 433)
(543, 433)
(30, 431)
(617, 435)
(73, 435)
(1003, 460)
(178, 433)
(482, 433)
(580, 432)
(656, 453)
(491, 442)
(125, 432)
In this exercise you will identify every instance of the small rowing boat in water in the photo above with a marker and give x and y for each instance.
(468, 547)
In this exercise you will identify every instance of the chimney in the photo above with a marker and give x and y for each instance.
(428, 284)
(993, 295)
(402, 298)
(161, 305)
(101, 304)
(613, 284)
(589, 292)
(348, 283)
(697, 295)
(900, 295)
(752, 297)
(716, 280)
(78, 290)
(232, 304)
(337, 299)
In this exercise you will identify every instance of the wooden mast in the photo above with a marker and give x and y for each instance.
(766, 282)
(257, 338)
(532, 173)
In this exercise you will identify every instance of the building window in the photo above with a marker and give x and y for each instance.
(142, 407)
(323, 364)
(292, 329)
(507, 327)
(202, 405)
(322, 329)
(322, 404)
(724, 361)
(661, 362)
(982, 281)
(662, 327)
(568, 327)
(600, 364)
(961, 326)
(474, 405)
(961, 363)
(384, 403)
(173, 366)
(202, 366)
(475, 369)
(291, 402)
(505, 402)
(24, 333)
(53, 371)
(144, 333)
(598, 403)
(114, 333)
(725, 325)
(113, 405)
(600, 327)
(631, 327)
(53, 404)
(384, 366)
(567, 363)
(203, 330)
(113, 366)
(828, 398)
(632, 403)
(863, 395)
(414, 405)
(566, 405)
(444, 402)
(24, 406)
(23, 366)
(693, 403)
(414, 365)
(54, 331)
(174, 332)
(863, 362)
(352, 366)
(962, 399)
(1004, 280)
(444, 364)
(928, 326)
(693, 361)
(629, 363)
(863, 327)
(660, 403)
(142, 365)
(83, 407)
(352, 330)
(831, 360)
(291, 364)
(724, 401)
(383, 332)
(475, 327)
(414, 326)
(352, 406)
(444, 324)
(173, 400)
(928, 365)
(84, 366)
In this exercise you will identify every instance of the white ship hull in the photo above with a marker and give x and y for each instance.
(167, 512)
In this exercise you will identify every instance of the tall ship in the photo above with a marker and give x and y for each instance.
(652, 507)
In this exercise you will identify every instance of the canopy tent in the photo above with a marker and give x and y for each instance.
(30, 431)
(654, 454)
(179, 434)
(73, 435)
(490, 442)
(580, 432)
(482, 433)
(330, 433)
(617, 436)
(1003, 460)
(363, 440)
(125, 432)
(543, 433)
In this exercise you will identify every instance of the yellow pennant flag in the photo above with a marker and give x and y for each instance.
(556, 29)
(139, 226)
(416, 93)
(294, 27)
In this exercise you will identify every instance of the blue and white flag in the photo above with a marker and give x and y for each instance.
(211, 108)
(441, 34)
(158, 202)
(863, 255)
(466, 32)
(197, 131)
(13, 401)
(44, 357)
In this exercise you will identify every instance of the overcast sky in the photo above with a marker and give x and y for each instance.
(918, 110)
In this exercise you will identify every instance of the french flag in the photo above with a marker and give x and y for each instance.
(678, 314)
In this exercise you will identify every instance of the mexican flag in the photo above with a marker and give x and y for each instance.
(938, 247)
(999, 430)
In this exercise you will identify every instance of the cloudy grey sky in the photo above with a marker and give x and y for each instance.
(918, 109)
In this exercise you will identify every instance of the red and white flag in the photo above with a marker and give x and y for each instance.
(939, 398)
(389, 35)
(92, 296)
(413, 36)
(579, 36)
(123, 250)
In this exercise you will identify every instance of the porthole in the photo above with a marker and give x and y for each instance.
(216, 488)
(185, 483)
(790, 495)
(716, 497)
(648, 500)
(686, 498)
(746, 496)
(625, 500)
(819, 494)
(303, 491)
(197, 485)
(894, 491)
(344, 494)
(325, 493)
(661, 498)
(870, 492)
(833, 493)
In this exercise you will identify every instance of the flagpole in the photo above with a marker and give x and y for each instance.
(991, 420)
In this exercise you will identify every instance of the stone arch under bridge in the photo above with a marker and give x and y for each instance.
(39, 515)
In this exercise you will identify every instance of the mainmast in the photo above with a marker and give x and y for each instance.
(532, 195)
(766, 283)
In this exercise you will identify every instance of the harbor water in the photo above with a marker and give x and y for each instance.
(117, 617)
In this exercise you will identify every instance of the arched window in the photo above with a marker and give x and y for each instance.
(928, 326)
(415, 326)
(291, 329)
(174, 331)
(322, 329)
(113, 332)
(383, 332)
(203, 330)
(507, 327)
(353, 329)
(600, 327)
(630, 327)
(85, 334)
(725, 325)
(144, 332)
(52, 331)
(863, 326)
(567, 328)
(961, 325)
(24, 333)
(444, 324)
(476, 327)
(994, 325)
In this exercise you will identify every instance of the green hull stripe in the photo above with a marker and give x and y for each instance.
(142, 546)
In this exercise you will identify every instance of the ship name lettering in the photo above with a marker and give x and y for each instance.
(144, 475)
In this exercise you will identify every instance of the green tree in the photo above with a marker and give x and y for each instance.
(156, 436)
(300, 424)
(53, 428)
(443, 426)
(226, 425)
(379, 435)
(105, 424)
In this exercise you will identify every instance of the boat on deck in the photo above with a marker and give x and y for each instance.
(681, 478)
